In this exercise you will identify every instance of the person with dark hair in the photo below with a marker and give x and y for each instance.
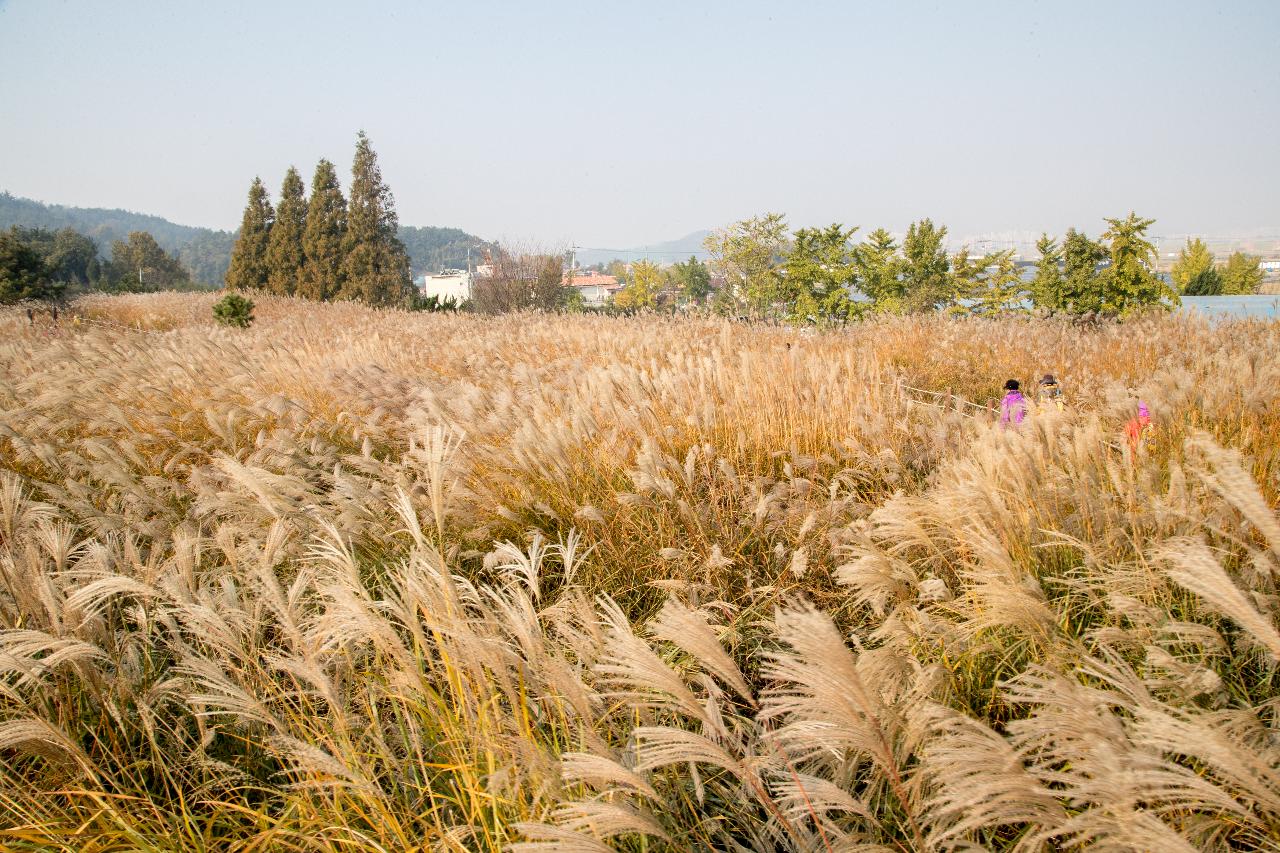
(1050, 392)
(1013, 408)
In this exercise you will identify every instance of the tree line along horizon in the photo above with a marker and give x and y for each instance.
(821, 274)
(818, 274)
(306, 248)
(326, 247)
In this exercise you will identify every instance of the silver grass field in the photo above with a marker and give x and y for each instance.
(356, 580)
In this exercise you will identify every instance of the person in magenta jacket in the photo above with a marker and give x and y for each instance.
(1013, 408)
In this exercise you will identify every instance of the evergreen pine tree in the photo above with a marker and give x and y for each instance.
(284, 248)
(879, 269)
(1193, 271)
(1130, 282)
(249, 257)
(1047, 286)
(140, 264)
(375, 266)
(1082, 285)
(1206, 282)
(926, 268)
(967, 274)
(324, 236)
(23, 272)
(1241, 274)
(990, 284)
(1003, 290)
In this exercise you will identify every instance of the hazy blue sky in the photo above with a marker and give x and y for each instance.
(612, 124)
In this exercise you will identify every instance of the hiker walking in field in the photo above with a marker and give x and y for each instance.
(1138, 429)
(1013, 408)
(1050, 392)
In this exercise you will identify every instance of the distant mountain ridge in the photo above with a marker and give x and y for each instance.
(667, 252)
(206, 252)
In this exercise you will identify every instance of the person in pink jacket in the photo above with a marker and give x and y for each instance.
(1138, 428)
(1013, 408)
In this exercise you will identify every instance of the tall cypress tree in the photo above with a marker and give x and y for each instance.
(376, 265)
(324, 236)
(284, 248)
(249, 257)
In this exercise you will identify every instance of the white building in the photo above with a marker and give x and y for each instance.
(455, 284)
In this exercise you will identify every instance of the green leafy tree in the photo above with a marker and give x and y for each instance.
(618, 269)
(1206, 283)
(248, 268)
(74, 258)
(207, 255)
(375, 267)
(643, 286)
(140, 264)
(1241, 274)
(999, 287)
(323, 240)
(820, 274)
(70, 258)
(23, 273)
(1131, 283)
(573, 302)
(925, 270)
(880, 271)
(234, 310)
(1193, 271)
(1082, 287)
(749, 255)
(967, 273)
(1048, 287)
(284, 247)
(548, 292)
(692, 279)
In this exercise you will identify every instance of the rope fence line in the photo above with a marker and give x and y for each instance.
(108, 324)
(74, 320)
(938, 395)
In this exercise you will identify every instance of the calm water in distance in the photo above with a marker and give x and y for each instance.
(1233, 306)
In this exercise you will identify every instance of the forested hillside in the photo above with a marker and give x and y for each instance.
(207, 252)
(203, 251)
(431, 249)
